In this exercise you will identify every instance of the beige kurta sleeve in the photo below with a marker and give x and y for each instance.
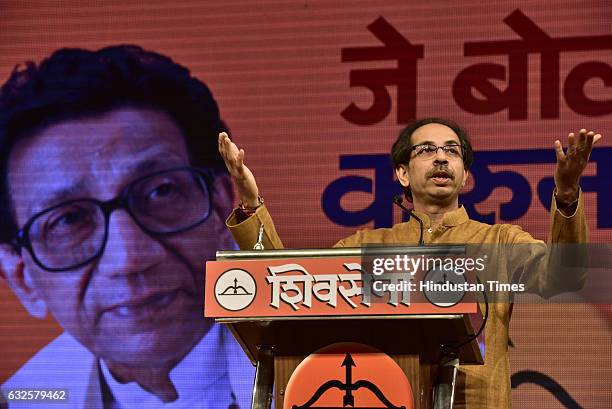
(353, 240)
(246, 229)
(558, 267)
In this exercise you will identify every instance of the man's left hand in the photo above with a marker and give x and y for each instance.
(571, 164)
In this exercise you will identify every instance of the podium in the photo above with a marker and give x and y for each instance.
(282, 305)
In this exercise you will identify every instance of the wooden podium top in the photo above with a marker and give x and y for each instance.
(299, 304)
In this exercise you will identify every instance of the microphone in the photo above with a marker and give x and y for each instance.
(398, 201)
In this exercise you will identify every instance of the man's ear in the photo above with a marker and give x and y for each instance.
(402, 175)
(223, 205)
(466, 175)
(19, 278)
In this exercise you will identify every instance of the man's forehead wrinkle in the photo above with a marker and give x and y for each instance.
(102, 177)
(429, 138)
(149, 158)
(98, 151)
(91, 157)
(57, 194)
(434, 143)
(46, 194)
(36, 173)
(446, 141)
(435, 129)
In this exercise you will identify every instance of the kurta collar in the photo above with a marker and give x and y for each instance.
(450, 219)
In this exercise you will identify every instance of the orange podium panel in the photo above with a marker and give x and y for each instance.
(283, 305)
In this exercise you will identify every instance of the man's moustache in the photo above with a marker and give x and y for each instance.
(440, 171)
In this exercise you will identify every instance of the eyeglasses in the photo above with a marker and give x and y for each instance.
(74, 233)
(428, 150)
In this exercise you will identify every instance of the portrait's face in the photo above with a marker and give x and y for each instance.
(435, 178)
(140, 301)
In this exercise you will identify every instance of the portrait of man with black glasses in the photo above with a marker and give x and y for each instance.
(112, 197)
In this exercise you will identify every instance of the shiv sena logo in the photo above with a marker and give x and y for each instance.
(351, 375)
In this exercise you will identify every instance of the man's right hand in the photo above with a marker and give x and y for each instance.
(242, 176)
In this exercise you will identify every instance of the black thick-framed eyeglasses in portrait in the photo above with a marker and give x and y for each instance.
(74, 233)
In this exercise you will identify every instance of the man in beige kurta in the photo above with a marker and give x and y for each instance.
(434, 184)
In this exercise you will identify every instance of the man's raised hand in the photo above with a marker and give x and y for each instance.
(242, 176)
(571, 164)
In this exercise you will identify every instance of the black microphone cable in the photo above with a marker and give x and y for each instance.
(449, 351)
(398, 201)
